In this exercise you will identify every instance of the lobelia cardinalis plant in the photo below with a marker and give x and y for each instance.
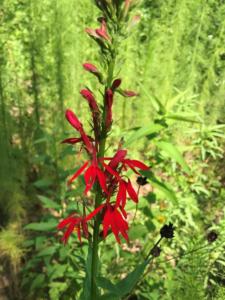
(105, 177)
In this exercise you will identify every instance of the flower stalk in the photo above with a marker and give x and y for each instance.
(105, 175)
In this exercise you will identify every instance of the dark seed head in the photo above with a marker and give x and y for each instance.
(142, 180)
(156, 251)
(212, 236)
(167, 231)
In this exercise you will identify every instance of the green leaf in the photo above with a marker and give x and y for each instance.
(126, 285)
(184, 118)
(144, 131)
(163, 187)
(174, 153)
(43, 226)
(43, 183)
(49, 251)
(38, 282)
(48, 203)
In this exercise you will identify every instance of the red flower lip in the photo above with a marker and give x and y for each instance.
(92, 173)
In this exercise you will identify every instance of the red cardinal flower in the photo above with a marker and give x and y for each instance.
(73, 223)
(119, 158)
(78, 224)
(92, 173)
(115, 221)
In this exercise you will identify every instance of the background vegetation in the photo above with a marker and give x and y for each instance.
(175, 59)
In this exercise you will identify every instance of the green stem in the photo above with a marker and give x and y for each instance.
(95, 260)
(98, 196)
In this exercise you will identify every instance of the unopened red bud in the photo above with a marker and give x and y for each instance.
(129, 94)
(87, 94)
(116, 83)
(73, 120)
(90, 68)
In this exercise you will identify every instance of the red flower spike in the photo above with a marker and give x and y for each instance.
(90, 68)
(116, 84)
(114, 220)
(129, 94)
(109, 103)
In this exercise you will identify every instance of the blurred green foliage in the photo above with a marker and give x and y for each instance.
(175, 60)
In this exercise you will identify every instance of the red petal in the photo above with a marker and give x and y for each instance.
(78, 172)
(95, 212)
(73, 120)
(121, 196)
(72, 140)
(117, 158)
(102, 180)
(111, 171)
(133, 195)
(66, 221)
(68, 232)
(89, 177)
(138, 164)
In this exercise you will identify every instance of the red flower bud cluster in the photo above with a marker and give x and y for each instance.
(107, 174)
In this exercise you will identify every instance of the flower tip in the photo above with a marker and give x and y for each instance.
(130, 94)
(90, 67)
(116, 83)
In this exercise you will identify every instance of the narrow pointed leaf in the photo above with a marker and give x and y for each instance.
(143, 131)
(174, 153)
